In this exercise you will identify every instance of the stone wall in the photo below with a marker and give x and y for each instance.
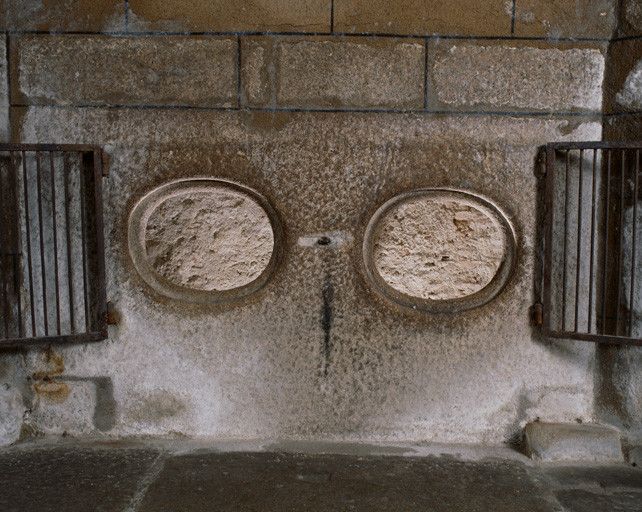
(618, 382)
(326, 110)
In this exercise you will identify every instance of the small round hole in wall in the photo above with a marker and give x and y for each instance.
(439, 250)
(204, 240)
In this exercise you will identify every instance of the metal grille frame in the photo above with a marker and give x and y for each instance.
(593, 286)
(52, 254)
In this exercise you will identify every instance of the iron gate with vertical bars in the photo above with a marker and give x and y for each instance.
(52, 273)
(592, 271)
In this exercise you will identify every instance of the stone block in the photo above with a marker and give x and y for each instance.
(226, 16)
(565, 18)
(103, 70)
(422, 17)
(512, 76)
(630, 23)
(4, 92)
(63, 15)
(11, 412)
(553, 442)
(623, 80)
(333, 73)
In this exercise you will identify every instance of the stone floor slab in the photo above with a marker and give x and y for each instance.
(279, 482)
(71, 479)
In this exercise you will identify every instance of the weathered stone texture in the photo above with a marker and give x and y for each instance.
(315, 354)
(630, 18)
(209, 240)
(623, 80)
(553, 442)
(438, 248)
(63, 15)
(508, 76)
(103, 70)
(4, 92)
(226, 16)
(565, 18)
(333, 73)
(422, 17)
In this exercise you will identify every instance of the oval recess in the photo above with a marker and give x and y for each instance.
(174, 230)
(439, 250)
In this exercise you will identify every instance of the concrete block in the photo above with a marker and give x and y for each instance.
(420, 17)
(103, 70)
(333, 73)
(552, 442)
(508, 76)
(565, 18)
(63, 15)
(226, 16)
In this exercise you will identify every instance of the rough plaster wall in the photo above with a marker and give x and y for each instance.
(216, 240)
(326, 358)
(438, 248)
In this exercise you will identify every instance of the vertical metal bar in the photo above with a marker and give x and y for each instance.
(593, 182)
(634, 240)
(27, 232)
(55, 239)
(551, 176)
(578, 267)
(620, 263)
(83, 238)
(564, 258)
(4, 261)
(45, 312)
(100, 286)
(606, 237)
(17, 262)
(70, 277)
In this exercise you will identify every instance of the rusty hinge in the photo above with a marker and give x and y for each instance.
(537, 314)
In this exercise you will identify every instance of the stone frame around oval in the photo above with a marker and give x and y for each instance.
(136, 228)
(477, 299)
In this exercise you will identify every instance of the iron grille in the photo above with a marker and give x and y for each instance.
(592, 271)
(52, 274)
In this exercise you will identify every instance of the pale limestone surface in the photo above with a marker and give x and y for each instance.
(11, 413)
(209, 240)
(292, 360)
(630, 96)
(419, 17)
(154, 70)
(63, 15)
(506, 76)
(333, 73)
(564, 18)
(438, 248)
(588, 443)
(226, 16)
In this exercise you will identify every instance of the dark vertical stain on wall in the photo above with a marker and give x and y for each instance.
(326, 322)
(512, 17)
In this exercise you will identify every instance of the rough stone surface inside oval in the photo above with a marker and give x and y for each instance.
(209, 240)
(438, 248)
